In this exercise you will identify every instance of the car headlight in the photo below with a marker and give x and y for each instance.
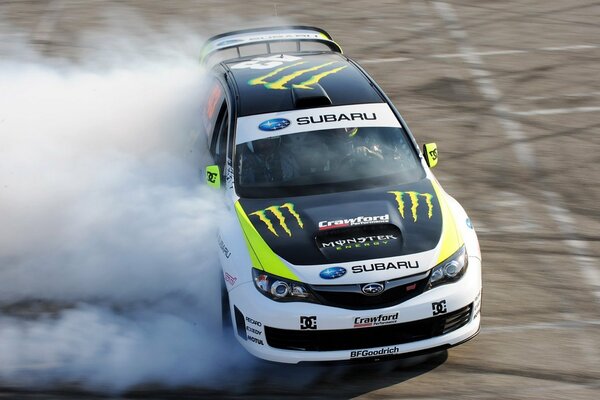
(280, 289)
(449, 270)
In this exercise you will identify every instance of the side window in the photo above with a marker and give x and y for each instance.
(212, 111)
(218, 146)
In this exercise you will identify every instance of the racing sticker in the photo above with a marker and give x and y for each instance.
(381, 266)
(255, 340)
(289, 72)
(266, 62)
(359, 242)
(229, 174)
(274, 124)
(255, 331)
(362, 220)
(223, 247)
(255, 328)
(276, 212)
(309, 322)
(381, 319)
(351, 116)
(385, 351)
(414, 200)
(439, 307)
(281, 78)
(253, 321)
(230, 278)
(333, 272)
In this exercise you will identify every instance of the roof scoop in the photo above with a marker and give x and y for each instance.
(316, 96)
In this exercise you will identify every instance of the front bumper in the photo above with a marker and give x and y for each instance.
(295, 332)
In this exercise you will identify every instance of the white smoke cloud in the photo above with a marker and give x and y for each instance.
(100, 349)
(108, 269)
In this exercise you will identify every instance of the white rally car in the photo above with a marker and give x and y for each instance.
(339, 242)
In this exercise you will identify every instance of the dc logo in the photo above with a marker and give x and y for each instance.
(308, 322)
(433, 154)
(439, 307)
(212, 177)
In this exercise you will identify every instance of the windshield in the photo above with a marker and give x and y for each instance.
(324, 161)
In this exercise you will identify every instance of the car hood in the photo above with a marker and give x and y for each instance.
(349, 226)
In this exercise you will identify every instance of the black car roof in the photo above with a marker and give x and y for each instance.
(326, 78)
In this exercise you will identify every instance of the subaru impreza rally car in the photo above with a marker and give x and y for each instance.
(339, 243)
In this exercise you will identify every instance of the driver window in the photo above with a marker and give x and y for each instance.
(219, 143)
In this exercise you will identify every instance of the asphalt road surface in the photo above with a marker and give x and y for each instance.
(510, 92)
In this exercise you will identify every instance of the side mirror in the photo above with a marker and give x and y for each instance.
(431, 154)
(213, 176)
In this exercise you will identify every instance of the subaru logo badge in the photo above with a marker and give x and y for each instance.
(274, 124)
(372, 289)
(332, 272)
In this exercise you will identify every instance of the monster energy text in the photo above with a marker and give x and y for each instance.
(359, 242)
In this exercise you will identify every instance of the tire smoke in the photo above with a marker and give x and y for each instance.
(108, 265)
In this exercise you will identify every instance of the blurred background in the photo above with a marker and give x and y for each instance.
(98, 105)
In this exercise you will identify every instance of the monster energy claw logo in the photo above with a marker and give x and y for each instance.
(276, 212)
(279, 83)
(414, 199)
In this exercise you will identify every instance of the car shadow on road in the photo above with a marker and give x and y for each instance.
(274, 381)
(312, 381)
(343, 381)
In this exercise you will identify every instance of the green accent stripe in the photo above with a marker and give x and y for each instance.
(280, 83)
(451, 239)
(261, 79)
(316, 78)
(260, 253)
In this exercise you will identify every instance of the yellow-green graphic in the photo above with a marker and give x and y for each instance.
(414, 200)
(276, 212)
(280, 83)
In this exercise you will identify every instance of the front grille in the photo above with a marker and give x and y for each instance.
(351, 297)
(363, 338)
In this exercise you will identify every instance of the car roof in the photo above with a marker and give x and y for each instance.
(282, 82)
